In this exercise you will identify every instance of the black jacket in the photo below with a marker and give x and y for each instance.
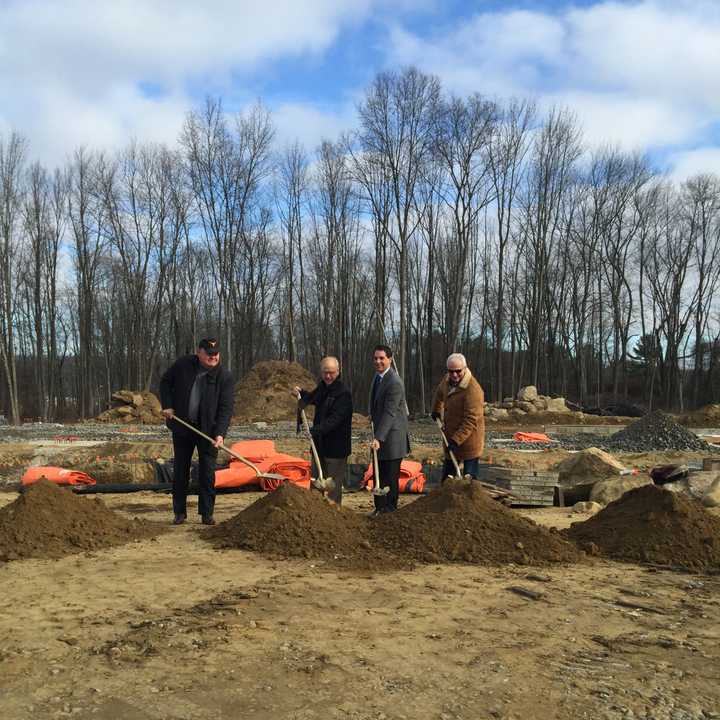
(216, 402)
(332, 425)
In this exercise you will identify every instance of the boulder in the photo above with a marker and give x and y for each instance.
(137, 400)
(516, 412)
(712, 496)
(540, 403)
(528, 407)
(606, 491)
(125, 410)
(557, 405)
(527, 393)
(586, 507)
(590, 465)
(499, 413)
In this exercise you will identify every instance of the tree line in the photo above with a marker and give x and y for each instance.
(439, 224)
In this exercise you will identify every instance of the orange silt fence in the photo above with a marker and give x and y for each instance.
(531, 437)
(411, 480)
(56, 475)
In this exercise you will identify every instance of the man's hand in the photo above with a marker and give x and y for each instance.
(375, 445)
(296, 391)
(218, 441)
(453, 447)
(169, 413)
(435, 416)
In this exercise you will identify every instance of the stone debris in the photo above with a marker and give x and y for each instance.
(589, 465)
(655, 431)
(133, 407)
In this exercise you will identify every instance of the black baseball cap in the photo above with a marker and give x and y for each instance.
(210, 345)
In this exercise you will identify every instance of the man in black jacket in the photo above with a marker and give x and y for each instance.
(332, 424)
(197, 389)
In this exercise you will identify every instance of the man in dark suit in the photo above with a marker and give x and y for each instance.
(388, 412)
(332, 426)
(198, 390)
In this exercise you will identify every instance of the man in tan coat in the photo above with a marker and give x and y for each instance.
(460, 401)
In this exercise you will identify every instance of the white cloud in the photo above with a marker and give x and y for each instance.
(75, 72)
(639, 74)
(310, 124)
(693, 162)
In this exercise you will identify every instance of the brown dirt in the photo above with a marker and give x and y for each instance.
(459, 522)
(652, 525)
(706, 416)
(264, 394)
(48, 521)
(292, 522)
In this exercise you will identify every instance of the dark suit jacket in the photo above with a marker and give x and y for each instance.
(216, 402)
(389, 417)
(332, 425)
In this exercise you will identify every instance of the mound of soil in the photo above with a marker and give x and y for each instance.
(656, 431)
(587, 466)
(706, 416)
(130, 406)
(649, 524)
(265, 393)
(460, 522)
(293, 522)
(48, 521)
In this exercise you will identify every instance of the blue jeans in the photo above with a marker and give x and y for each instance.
(471, 466)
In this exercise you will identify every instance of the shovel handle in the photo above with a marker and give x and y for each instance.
(316, 457)
(237, 456)
(438, 422)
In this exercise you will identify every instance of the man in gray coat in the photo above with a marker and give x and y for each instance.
(388, 412)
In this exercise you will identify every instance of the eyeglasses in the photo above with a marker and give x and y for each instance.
(456, 372)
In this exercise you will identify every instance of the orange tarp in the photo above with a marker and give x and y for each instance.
(412, 479)
(294, 469)
(531, 437)
(57, 475)
(253, 450)
(237, 475)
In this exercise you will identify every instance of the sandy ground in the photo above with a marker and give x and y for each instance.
(171, 628)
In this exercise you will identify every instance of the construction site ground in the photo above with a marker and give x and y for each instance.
(171, 627)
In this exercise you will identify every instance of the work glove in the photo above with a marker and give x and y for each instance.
(435, 415)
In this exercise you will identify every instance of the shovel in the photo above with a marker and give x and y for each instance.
(458, 474)
(319, 483)
(377, 490)
(237, 456)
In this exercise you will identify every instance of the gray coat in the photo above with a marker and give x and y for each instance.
(389, 417)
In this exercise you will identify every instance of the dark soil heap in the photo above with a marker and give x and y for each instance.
(649, 524)
(293, 522)
(656, 431)
(264, 394)
(460, 522)
(48, 521)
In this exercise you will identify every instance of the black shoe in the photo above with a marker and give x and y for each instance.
(208, 520)
(179, 519)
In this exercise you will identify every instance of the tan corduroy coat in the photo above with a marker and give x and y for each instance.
(462, 409)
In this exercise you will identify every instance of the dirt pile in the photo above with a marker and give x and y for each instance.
(264, 394)
(292, 522)
(706, 416)
(129, 406)
(649, 524)
(656, 431)
(460, 522)
(47, 521)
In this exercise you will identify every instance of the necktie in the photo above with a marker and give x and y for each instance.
(376, 384)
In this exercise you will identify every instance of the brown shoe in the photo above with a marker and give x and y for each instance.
(208, 520)
(179, 519)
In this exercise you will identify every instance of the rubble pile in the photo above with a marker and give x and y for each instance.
(265, 392)
(588, 466)
(527, 402)
(649, 524)
(655, 431)
(48, 521)
(133, 407)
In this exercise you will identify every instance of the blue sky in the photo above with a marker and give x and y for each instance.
(643, 75)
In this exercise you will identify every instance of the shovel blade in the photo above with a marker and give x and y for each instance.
(323, 484)
(380, 491)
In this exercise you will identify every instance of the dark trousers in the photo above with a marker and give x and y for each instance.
(389, 477)
(207, 455)
(471, 466)
(336, 468)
